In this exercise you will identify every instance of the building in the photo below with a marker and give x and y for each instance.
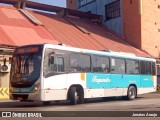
(16, 30)
(20, 26)
(135, 20)
(112, 19)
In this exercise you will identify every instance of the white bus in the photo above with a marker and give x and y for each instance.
(49, 72)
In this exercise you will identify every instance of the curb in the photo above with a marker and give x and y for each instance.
(5, 100)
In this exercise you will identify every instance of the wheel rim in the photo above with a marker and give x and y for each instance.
(132, 93)
(76, 97)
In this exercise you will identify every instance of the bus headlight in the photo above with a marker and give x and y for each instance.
(36, 88)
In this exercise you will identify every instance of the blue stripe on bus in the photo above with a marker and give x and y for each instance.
(146, 81)
(96, 81)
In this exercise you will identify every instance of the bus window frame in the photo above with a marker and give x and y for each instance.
(111, 65)
(55, 55)
(138, 67)
(109, 70)
(145, 66)
(80, 66)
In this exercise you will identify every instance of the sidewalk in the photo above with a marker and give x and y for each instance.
(5, 100)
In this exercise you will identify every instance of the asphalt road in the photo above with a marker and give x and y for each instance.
(146, 102)
(149, 101)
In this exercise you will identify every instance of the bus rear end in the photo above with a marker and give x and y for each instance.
(25, 73)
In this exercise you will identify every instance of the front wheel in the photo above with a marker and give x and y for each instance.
(132, 93)
(76, 96)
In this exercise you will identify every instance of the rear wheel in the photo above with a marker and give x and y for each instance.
(132, 93)
(76, 95)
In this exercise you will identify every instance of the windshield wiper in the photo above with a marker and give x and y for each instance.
(26, 61)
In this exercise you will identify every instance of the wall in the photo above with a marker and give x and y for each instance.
(71, 4)
(151, 27)
(139, 23)
(89, 7)
(4, 79)
(98, 7)
(132, 22)
(114, 24)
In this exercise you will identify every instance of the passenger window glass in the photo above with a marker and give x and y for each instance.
(117, 66)
(143, 71)
(80, 63)
(132, 67)
(59, 62)
(100, 64)
(153, 68)
(145, 68)
(85, 63)
(148, 68)
(52, 62)
(75, 62)
(56, 64)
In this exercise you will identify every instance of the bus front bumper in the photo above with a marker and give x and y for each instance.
(25, 96)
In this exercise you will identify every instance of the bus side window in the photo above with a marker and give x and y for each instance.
(100, 64)
(53, 62)
(132, 67)
(85, 63)
(51, 65)
(59, 63)
(145, 68)
(153, 68)
(148, 68)
(142, 63)
(80, 63)
(75, 63)
(117, 66)
(56, 64)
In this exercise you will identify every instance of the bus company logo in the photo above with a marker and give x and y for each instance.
(6, 114)
(21, 114)
(100, 80)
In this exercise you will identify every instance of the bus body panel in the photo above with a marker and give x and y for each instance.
(56, 86)
(131, 80)
(76, 79)
(146, 81)
(98, 81)
(145, 90)
(111, 92)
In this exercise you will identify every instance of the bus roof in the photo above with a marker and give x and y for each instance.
(103, 53)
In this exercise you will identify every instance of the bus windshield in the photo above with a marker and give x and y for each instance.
(25, 68)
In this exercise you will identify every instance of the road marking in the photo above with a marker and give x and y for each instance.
(4, 93)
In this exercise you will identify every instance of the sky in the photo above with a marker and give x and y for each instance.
(60, 3)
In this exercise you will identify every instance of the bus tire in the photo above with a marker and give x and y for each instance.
(131, 93)
(76, 96)
(81, 95)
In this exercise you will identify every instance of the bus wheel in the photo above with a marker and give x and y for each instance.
(76, 96)
(132, 93)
